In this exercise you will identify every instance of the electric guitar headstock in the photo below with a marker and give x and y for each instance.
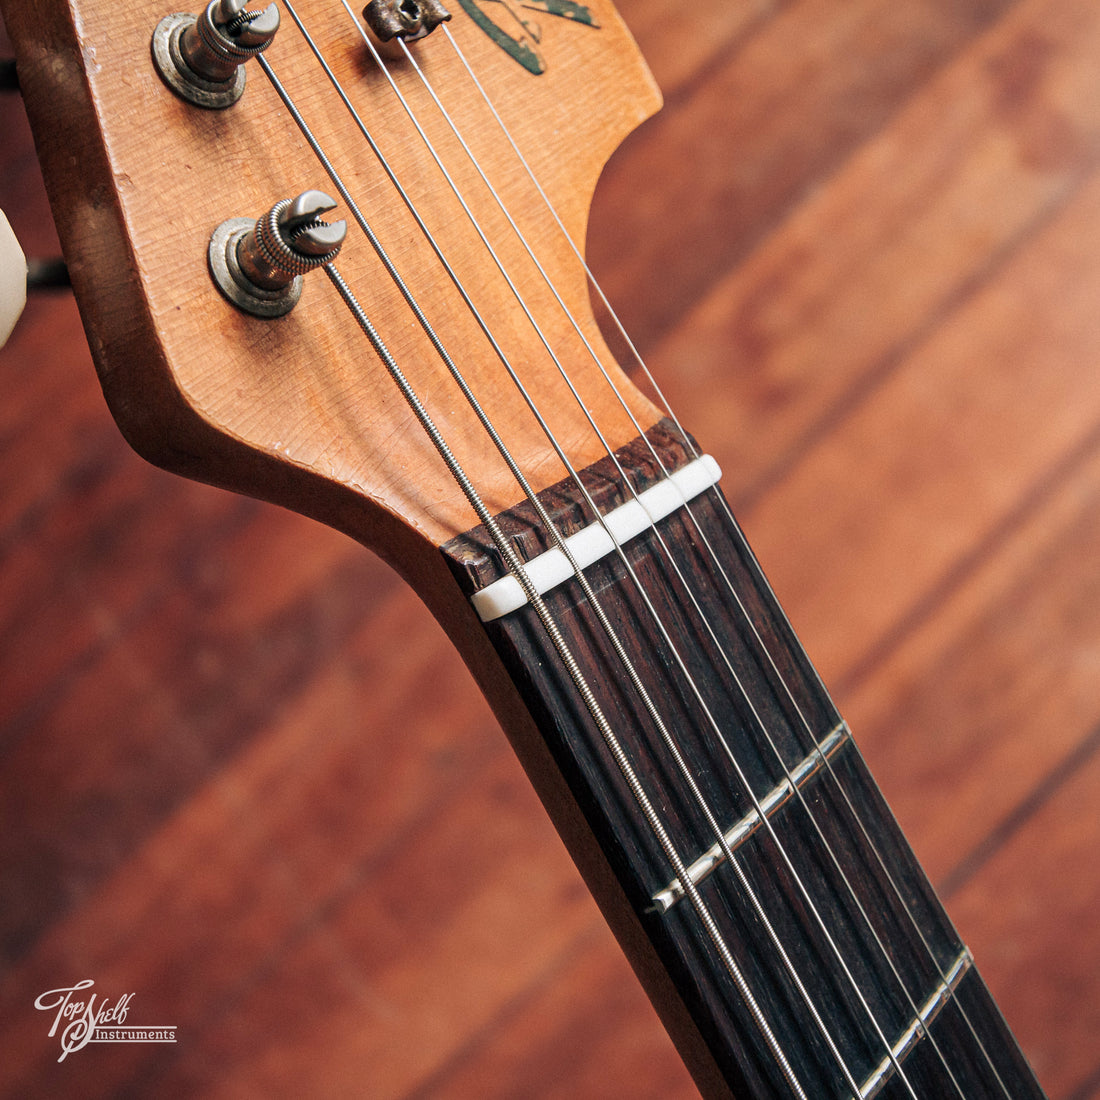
(145, 164)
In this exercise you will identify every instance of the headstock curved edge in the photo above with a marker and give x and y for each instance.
(298, 410)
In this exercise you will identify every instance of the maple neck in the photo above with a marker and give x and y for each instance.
(842, 958)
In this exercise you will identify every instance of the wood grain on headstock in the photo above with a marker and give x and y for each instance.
(299, 410)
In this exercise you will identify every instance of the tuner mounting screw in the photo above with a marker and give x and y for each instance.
(258, 265)
(201, 58)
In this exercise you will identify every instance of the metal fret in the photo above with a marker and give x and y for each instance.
(909, 1038)
(778, 796)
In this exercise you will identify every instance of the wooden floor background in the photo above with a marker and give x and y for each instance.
(861, 247)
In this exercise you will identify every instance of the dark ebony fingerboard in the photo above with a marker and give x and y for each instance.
(830, 872)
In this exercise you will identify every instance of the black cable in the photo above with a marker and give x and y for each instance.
(47, 275)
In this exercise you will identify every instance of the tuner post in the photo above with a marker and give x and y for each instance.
(258, 265)
(202, 58)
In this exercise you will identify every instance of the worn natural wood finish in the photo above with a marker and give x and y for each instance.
(297, 410)
(226, 787)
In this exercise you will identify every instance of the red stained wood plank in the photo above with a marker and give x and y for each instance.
(839, 294)
(578, 1009)
(966, 716)
(1039, 975)
(801, 96)
(953, 448)
(684, 42)
(250, 769)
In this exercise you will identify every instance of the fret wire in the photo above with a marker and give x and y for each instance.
(686, 438)
(590, 701)
(670, 744)
(931, 1008)
(741, 830)
(482, 513)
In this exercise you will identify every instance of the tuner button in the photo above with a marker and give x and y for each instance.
(258, 265)
(201, 58)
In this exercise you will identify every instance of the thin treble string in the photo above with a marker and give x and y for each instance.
(288, 102)
(795, 787)
(669, 743)
(673, 749)
(668, 740)
(577, 252)
(724, 505)
(516, 568)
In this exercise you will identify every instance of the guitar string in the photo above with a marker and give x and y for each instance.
(766, 822)
(795, 787)
(855, 899)
(736, 529)
(670, 743)
(663, 400)
(677, 863)
(517, 569)
(791, 968)
(799, 794)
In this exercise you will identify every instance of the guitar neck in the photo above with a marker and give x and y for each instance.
(782, 925)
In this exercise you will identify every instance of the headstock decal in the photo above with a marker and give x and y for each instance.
(519, 35)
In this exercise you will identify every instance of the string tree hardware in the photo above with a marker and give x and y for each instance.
(259, 264)
(202, 58)
(391, 22)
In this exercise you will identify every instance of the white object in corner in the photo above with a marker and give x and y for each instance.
(13, 280)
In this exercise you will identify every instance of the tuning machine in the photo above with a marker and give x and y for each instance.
(258, 265)
(201, 58)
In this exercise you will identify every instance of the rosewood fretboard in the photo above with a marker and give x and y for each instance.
(859, 976)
